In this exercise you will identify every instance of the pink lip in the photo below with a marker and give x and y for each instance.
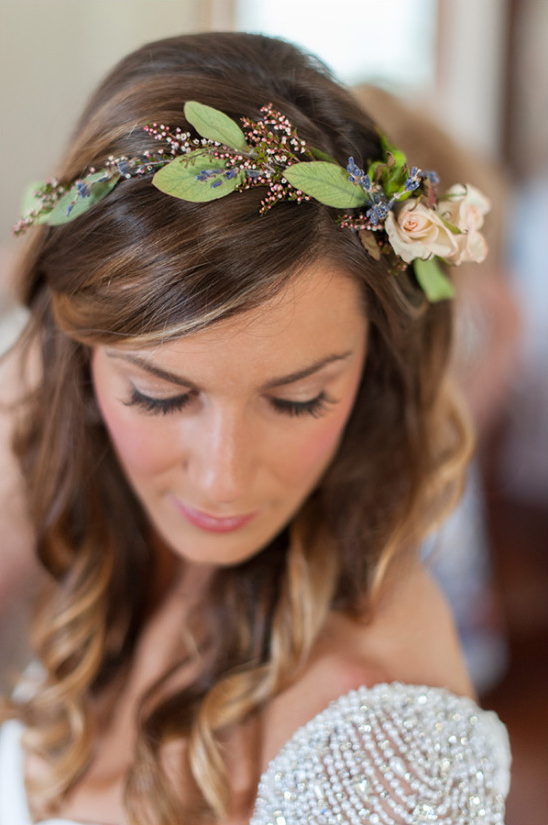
(213, 524)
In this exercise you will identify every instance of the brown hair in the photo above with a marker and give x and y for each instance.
(146, 267)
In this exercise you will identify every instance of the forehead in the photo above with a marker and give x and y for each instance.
(318, 312)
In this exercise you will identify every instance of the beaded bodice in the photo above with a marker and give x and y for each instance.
(390, 755)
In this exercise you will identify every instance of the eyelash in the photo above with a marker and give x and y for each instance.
(314, 407)
(165, 406)
(157, 406)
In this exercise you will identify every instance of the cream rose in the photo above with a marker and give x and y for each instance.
(416, 231)
(465, 206)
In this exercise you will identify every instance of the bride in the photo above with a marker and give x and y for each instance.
(241, 430)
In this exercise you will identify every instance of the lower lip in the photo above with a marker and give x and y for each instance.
(210, 523)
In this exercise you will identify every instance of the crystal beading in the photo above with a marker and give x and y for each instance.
(393, 754)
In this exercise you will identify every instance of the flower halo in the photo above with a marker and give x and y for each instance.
(395, 209)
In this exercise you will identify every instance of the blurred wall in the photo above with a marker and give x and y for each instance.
(52, 54)
(469, 96)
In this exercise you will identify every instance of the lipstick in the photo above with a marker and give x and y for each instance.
(212, 524)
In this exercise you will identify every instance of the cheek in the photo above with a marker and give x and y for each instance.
(143, 447)
(320, 449)
(311, 457)
(312, 454)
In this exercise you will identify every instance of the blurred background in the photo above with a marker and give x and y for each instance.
(462, 84)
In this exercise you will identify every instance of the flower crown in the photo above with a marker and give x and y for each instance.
(396, 210)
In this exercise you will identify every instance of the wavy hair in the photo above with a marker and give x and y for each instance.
(144, 268)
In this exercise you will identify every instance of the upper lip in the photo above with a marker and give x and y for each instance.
(214, 516)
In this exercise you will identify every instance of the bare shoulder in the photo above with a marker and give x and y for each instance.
(329, 675)
(411, 639)
(415, 634)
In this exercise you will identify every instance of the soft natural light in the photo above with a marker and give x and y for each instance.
(390, 42)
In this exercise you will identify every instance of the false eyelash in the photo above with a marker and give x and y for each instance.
(314, 407)
(157, 406)
(164, 406)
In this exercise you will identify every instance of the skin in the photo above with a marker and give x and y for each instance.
(237, 430)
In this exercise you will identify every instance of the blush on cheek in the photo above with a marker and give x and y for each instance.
(313, 454)
(137, 442)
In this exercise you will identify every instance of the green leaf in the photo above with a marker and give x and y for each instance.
(394, 178)
(178, 178)
(215, 125)
(394, 170)
(327, 183)
(450, 226)
(319, 155)
(372, 169)
(97, 192)
(389, 149)
(403, 196)
(435, 285)
(394, 181)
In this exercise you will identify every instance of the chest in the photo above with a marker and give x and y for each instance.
(99, 796)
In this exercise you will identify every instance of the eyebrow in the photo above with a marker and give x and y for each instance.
(181, 381)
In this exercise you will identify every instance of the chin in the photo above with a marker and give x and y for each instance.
(215, 550)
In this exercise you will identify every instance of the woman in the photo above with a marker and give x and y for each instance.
(240, 433)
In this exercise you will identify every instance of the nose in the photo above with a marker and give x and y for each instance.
(220, 461)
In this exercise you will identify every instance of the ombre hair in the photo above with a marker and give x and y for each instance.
(142, 268)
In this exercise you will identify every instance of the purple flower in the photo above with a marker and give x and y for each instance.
(355, 174)
(124, 168)
(82, 189)
(413, 181)
(377, 213)
(380, 209)
(433, 177)
(205, 174)
(411, 185)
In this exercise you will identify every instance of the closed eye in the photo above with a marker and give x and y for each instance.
(314, 407)
(158, 406)
(164, 406)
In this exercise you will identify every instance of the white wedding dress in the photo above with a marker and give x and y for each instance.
(393, 754)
